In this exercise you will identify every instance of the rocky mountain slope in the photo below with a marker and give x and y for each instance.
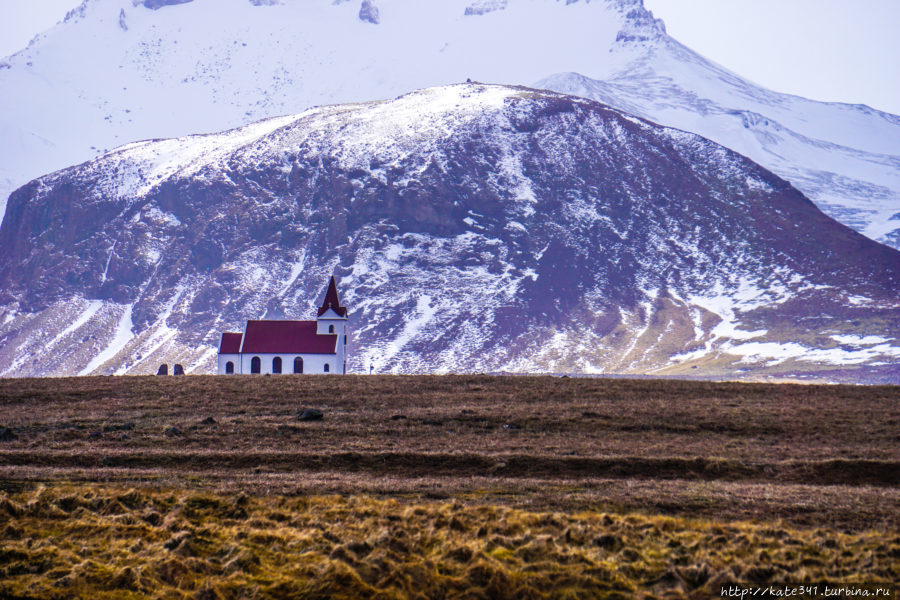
(845, 158)
(471, 228)
(121, 70)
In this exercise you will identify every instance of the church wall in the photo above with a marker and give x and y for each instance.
(313, 364)
(224, 358)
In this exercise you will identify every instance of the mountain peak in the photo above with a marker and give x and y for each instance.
(102, 79)
(170, 67)
(641, 26)
(473, 227)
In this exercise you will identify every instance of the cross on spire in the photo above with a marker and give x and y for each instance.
(331, 301)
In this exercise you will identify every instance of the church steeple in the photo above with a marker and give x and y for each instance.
(332, 302)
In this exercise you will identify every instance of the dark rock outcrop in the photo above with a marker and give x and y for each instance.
(369, 13)
(157, 4)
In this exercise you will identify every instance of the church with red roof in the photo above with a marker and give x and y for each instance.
(273, 347)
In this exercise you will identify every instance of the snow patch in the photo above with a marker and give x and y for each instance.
(776, 353)
(86, 315)
(121, 337)
(857, 340)
(296, 270)
(207, 355)
(413, 326)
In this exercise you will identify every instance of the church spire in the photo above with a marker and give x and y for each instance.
(331, 301)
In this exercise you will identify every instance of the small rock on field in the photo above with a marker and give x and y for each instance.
(208, 421)
(173, 431)
(6, 435)
(311, 414)
(398, 418)
(434, 422)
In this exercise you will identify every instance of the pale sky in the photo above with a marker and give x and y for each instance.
(21, 20)
(832, 50)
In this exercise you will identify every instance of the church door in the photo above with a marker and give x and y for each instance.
(298, 364)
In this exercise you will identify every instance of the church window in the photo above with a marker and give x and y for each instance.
(229, 368)
(255, 365)
(327, 367)
(276, 364)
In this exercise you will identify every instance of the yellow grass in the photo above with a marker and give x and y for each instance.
(111, 542)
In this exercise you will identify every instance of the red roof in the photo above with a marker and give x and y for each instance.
(286, 337)
(331, 301)
(231, 343)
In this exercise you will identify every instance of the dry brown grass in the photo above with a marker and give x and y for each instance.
(496, 486)
(108, 542)
(547, 416)
(582, 443)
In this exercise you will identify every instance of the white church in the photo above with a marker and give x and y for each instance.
(266, 347)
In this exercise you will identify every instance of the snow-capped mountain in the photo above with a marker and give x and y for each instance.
(116, 71)
(471, 228)
(846, 158)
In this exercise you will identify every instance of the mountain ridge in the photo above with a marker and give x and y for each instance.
(471, 227)
(205, 66)
(845, 157)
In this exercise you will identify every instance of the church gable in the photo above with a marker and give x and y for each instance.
(231, 343)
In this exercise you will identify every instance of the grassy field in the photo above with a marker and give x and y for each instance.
(442, 487)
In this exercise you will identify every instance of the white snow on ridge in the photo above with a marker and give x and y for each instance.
(208, 355)
(146, 164)
(356, 135)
